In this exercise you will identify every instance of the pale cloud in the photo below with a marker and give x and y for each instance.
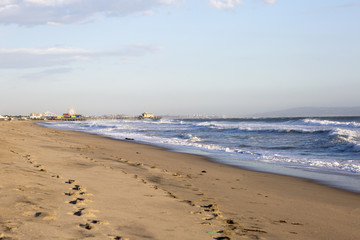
(232, 4)
(225, 4)
(334, 8)
(269, 1)
(49, 57)
(39, 51)
(124, 62)
(37, 76)
(55, 12)
(53, 3)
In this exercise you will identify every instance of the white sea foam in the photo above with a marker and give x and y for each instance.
(224, 139)
(317, 122)
(265, 127)
(332, 165)
(351, 137)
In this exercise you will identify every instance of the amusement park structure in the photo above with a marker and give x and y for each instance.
(71, 115)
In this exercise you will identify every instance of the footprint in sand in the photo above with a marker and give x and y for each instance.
(169, 194)
(37, 214)
(79, 212)
(119, 238)
(189, 202)
(41, 168)
(77, 200)
(223, 238)
(296, 223)
(44, 216)
(230, 221)
(70, 181)
(87, 226)
(98, 222)
(85, 212)
(79, 188)
(70, 193)
(9, 227)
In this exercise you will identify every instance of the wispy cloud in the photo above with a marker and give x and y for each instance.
(225, 4)
(125, 62)
(55, 12)
(269, 1)
(232, 4)
(48, 57)
(46, 74)
(334, 8)
(59, 12)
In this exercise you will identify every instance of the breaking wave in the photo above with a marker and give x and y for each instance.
(323, 144)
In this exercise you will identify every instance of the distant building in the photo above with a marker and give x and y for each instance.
(71, 115)
(2, 118)
(36, 115)
(49, 115)
(147, 115)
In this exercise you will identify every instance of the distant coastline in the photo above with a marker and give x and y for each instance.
(299, 112)
(313, 112)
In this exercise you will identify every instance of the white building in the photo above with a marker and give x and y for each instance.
(147, 115)
(36, 115)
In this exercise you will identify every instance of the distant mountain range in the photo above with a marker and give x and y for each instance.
(313, 112)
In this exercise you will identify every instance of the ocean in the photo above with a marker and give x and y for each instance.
(326, 150)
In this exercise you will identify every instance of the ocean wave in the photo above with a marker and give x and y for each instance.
(262, 127)
(287, 130)
(349, 137)
(350, 166)
(339, 166)
(318, 122)
(192, 141)
(189, 137)
(249, 140)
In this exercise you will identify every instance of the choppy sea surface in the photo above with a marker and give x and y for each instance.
(326, 150)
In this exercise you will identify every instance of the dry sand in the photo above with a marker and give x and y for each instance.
(57, 184)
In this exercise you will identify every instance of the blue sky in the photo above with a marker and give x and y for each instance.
(218, 57)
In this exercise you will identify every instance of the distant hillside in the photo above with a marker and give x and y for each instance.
(313, 112)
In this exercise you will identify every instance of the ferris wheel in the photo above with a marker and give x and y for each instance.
(72, 111)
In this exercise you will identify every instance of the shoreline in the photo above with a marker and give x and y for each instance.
(131, 188)
(316, 177)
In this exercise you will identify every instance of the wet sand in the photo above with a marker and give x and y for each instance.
(57, 184)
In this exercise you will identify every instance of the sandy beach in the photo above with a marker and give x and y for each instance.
(57, 184)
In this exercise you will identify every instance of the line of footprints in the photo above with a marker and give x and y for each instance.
(79, 199)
